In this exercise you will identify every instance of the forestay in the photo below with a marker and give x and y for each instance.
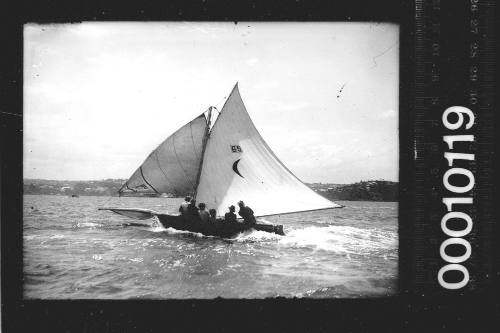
(239, 165)
(173, 166)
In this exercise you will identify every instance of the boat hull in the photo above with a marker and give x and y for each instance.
(220, 228)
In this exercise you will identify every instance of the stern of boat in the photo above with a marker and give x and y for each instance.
(277, 229)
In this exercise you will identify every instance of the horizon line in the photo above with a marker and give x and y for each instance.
(125, 179)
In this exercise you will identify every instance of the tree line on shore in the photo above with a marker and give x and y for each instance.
(374, 190)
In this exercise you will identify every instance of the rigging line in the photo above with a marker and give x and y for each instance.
(126, 184)
(124, 188)
(178, 160)
(121, 188)
(140, 168)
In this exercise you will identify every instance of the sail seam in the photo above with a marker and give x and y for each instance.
(163, 172)
(192, 139)
(179, 161)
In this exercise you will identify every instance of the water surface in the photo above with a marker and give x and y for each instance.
(74, 251)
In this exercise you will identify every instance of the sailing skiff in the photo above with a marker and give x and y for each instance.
(219, 165)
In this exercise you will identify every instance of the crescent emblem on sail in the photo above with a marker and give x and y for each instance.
(235, 167)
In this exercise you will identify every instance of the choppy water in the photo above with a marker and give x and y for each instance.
(72, 250)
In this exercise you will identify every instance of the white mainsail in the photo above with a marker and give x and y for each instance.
(236, 164)
(173, 166)
(239, 165)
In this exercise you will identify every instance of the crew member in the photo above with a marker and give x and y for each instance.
(246, 213)
(213, 217)
(183, 209)
(204, 215)
(230, 216)
(192, 209)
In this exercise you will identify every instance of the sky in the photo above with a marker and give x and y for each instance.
(99, 97)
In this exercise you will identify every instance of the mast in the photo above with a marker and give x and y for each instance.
(204, 145)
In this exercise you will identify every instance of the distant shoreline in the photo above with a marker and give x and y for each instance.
(116, 196)
(372, 190)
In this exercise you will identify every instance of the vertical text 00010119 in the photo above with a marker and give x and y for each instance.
(455, 142)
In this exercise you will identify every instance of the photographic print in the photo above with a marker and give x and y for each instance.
(218, 166)
(196, 160)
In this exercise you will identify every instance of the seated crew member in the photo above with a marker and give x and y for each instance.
(246, 213)
(204, 216)
(184, 206)
(192, 209)
(230, 216)
(212, 218)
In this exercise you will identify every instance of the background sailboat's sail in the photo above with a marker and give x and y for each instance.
(239, 165)
(173, 166)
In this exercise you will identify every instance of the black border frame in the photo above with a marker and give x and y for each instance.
(407, 310)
